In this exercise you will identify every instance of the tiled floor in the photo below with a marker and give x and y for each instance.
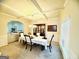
(17, 51)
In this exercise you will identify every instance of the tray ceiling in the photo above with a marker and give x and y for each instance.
(33, 9)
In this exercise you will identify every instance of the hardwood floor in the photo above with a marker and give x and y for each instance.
(17, 51)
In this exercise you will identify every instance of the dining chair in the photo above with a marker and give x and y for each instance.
(21, 37)
(25, 40)
(28, 41)
(50, 46)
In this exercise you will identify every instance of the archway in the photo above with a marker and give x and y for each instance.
(14, 27)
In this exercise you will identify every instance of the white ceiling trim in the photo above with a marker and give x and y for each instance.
(19, 15)
(39, 8)
(7, 14)
(48, 13)
(4, 5)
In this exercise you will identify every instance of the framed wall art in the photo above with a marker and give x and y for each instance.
(52, 28)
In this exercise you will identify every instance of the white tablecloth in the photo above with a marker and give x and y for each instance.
(39, 40)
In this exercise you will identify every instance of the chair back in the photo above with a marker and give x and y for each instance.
(21, 34)
(28, 38)
(51, 40)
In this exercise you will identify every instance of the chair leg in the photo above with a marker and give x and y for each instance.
(23, 41)
(20, 41)
(31, 48)
(50, 48)
(42, 48)
(26, 45)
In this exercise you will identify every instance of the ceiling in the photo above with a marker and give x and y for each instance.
(33, 9)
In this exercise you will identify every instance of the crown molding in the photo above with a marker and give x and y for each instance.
(3, 13)
(10, 8)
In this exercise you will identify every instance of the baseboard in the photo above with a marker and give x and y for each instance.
(13, 42)
(3, 45)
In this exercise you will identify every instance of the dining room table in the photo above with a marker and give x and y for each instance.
(39, 40)
(35, 40)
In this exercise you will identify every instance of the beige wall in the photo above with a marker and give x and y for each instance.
(4, 19)
(72, 10)
(53, 21)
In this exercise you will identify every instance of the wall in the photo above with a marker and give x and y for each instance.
(72, 10)
(53, 21)
(4, 19)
